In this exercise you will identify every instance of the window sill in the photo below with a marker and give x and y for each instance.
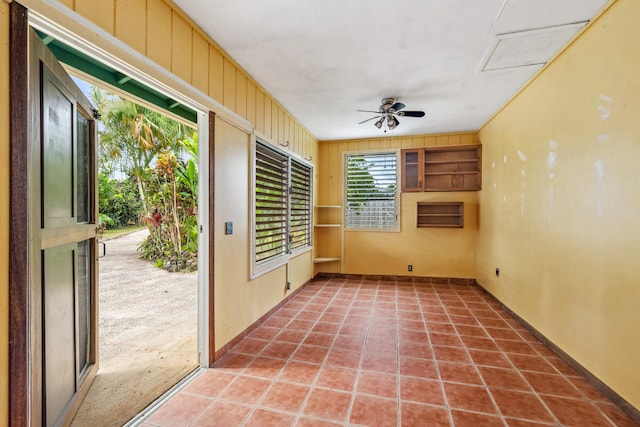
(374, 230)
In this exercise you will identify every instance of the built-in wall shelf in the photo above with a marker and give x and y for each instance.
(329, 219)
(442, 168)
(440, 214)
(322, 260)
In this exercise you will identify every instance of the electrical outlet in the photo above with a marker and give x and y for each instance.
(410, 267)
(497, 272)
(228, 228)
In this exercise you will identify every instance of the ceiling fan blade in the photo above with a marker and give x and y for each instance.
(411, 113)
(365, 121)
(398, 106)
(368, 111)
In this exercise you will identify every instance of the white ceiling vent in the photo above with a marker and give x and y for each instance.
(526, 48)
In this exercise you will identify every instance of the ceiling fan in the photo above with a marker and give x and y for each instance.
(390, 110)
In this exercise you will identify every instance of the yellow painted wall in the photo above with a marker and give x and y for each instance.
(4, 212)
(240, 301)
(560, 208)
(432, 252)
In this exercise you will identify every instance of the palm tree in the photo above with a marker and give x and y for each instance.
(133, 136)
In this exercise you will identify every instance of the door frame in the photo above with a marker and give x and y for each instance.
(22, 387)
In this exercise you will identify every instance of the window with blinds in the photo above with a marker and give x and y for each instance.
(282, 204)
(371, 191)
(300, 218)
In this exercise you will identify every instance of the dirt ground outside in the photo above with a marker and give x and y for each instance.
(147, 334)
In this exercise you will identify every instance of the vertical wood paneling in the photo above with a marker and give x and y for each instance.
(466, 139)
(216, 74)
(430, 141)
(417, 142)
(297, 132)
(281, 126)
(259, 123)
(200, 63)
(334, 164)
(181, 47)
(442, 140)
(229, 98)
(251, 101)
(101, 13)
(131, 23)
(287, 128)
(267, 116)
(274, 119)
(241, 94)
(454, 139)
(159, 33)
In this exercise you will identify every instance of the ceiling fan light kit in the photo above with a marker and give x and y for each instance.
(390, 111)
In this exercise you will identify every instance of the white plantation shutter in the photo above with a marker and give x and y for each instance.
(300, 218)
(282, 204)
(371, 191)
(271, 203)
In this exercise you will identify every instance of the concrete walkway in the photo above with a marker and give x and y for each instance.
(147, 334)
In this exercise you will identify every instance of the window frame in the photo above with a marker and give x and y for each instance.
(394, 151)
(261, 267)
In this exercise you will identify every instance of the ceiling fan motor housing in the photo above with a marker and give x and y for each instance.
(387, 103)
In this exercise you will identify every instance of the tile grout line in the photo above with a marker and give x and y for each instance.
(435, 360)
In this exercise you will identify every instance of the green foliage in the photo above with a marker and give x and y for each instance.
(362, 184)
(118, 201)
(173, 196)
(163, 188)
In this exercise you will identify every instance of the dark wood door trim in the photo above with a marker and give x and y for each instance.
(212, 229)
(19, 217)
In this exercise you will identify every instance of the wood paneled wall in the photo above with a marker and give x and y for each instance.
(164, 34)
(330, 186)
(330, 173)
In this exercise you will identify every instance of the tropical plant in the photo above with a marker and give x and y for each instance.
(173, 186)
(118, 200)
(132, 136)
(148, 148)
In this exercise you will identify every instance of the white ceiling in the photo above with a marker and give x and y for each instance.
(458, 60)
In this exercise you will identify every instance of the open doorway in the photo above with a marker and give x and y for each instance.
(148, 252)
(49, 384)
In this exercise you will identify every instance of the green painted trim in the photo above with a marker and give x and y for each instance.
(88, 65)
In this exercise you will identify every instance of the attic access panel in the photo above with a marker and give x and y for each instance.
(114, 78)
(531, 47)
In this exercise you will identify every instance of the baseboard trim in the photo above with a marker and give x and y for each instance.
(607, 391)
(228, 346)
(402, 279)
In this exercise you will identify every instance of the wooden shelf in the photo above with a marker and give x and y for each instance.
(440, 214)
(442, 168)
(445, 162)
(328, 217)
(326, 259)
(452, 173)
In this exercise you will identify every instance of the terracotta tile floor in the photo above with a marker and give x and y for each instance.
(380, 353)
